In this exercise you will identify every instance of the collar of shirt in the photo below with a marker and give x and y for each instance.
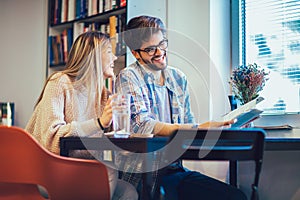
(169, 80)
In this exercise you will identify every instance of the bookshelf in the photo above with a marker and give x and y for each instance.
(69, 18)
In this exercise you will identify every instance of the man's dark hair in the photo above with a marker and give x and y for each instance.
(140, 29)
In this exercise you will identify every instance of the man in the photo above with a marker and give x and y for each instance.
(161, 105)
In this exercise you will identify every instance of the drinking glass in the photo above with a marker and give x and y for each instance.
(121, 115)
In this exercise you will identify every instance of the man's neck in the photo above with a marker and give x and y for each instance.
(158, 75)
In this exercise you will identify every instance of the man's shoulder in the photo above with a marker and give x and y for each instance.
(133, 70)
(131, 73)
(175, 69)
(175, 72)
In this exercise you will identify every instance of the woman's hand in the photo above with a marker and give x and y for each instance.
(213, 124)
(106, 117)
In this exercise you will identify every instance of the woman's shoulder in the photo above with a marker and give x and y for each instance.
(59, 81)
(60, 78)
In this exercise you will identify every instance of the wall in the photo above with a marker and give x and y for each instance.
(199, 35)
(188, 23)
(220, 54)
(22, 54)
(137, 7)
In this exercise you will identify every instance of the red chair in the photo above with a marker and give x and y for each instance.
(26, 164)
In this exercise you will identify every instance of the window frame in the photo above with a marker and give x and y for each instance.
(237, 48)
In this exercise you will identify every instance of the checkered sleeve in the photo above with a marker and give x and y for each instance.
(131, 82)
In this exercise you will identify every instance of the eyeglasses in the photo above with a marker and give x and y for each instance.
(153, 49)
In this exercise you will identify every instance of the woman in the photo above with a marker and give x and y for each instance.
(75, 102)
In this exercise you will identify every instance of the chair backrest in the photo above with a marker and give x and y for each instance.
(25, 163)
(221, 144)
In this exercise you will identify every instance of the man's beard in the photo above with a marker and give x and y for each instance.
(153, 66)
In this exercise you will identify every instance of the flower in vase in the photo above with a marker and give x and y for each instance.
(247, 81)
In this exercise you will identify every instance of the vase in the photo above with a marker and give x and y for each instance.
(233, 102)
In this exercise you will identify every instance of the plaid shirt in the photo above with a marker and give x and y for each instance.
(140, 83)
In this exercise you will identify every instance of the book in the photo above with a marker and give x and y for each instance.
(100, 6)
(52, 12)
(64, 38)
(244, 108)
(246, 118)
(245, 113)
(69, 38)
(71, 10)
(276, 127)
(90, 5)
(107, 5)
(55, 12)
(113, 32)
(50, 50)
(60, 48)
(94, 7)
(123, 3)
(77, 9)
(64, 11)
(54, 50)
(59, 10)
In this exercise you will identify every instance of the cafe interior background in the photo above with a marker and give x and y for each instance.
(204, 44)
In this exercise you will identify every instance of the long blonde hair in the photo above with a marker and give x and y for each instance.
(84, 65)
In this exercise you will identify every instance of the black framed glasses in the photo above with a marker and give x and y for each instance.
(151, 50)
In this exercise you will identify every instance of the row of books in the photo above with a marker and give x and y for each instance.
(59, 45)
(68, 10)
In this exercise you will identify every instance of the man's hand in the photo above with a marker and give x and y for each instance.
(213, 124)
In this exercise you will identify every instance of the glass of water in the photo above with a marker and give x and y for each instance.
(121, 115)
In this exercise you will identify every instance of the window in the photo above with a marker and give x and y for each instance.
(269, 35)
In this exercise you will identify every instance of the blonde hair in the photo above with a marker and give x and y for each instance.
(84, 65)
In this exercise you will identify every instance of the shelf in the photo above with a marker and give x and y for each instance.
(103, 17)
(57, 65)
(61, 35)
(100, 17)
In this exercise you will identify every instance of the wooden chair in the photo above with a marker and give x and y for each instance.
(216, 144)
(26, 164)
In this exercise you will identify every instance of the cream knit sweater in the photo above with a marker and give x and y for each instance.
(63, 112)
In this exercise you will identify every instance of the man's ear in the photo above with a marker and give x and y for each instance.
(135, 53)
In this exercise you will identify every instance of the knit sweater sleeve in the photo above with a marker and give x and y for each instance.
(57, 116)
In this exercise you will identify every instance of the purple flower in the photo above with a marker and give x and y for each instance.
(247, 82)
